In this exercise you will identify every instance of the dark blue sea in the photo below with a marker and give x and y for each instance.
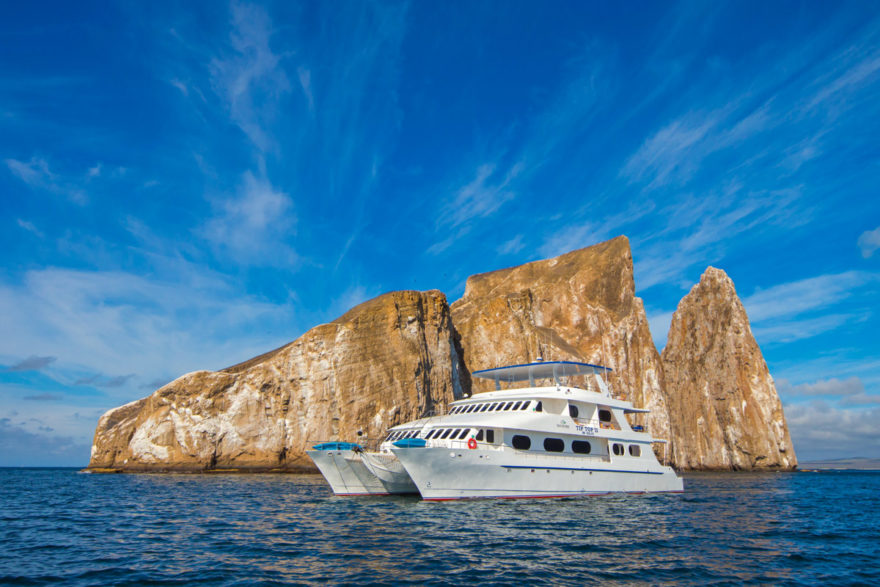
(58, 525)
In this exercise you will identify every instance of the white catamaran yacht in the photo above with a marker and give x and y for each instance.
(535, 441)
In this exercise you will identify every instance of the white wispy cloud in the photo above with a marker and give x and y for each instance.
(823, 387)
(675, 150)
(801, 328)
(800, 309)
(570, 238)
(797, 297)
(37, 174)
(250, 79)
(253, 226)
(511, 246)
(698, 230)
(869, 242)
(305, 82)
(29, 226)
(480, 197)
(111, 321)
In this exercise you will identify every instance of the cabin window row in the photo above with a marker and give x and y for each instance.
(494, 407)
(402, 434)
(634, 449)
(523, 442)
(459, 434)
(583, 447)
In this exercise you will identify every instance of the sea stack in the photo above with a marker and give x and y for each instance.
(724, 410)
(387, 361)
(580, 306)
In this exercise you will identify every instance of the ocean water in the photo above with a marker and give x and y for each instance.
(58, 525)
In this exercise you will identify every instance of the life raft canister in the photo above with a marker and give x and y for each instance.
(472, 443)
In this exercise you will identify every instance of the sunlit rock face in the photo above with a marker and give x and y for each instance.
(580, 306)
(724, 409)
(387, 361)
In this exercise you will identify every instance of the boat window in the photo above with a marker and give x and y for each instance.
(516, 406)
(463, 433)
(480, 435)
(604, 415)
(469, 409)
(445, 433)
(635, 450)
(521, 442)
(554, 445)
(495, 407)
(572, 411)
(525, 404)
(539, 407)
(581, 447)
(507, 406)
(454, 410)
(429, 434)
(484, 407)
(617, 448)
(490, 436)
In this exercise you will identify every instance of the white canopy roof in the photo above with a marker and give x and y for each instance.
(540, 370)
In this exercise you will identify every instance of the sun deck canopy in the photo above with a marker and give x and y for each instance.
(541, 370)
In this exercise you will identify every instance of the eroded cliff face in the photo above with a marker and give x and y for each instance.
(387, 361)
(579, 306)
(725, 412)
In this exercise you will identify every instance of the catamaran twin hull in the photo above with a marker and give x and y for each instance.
(351, 471)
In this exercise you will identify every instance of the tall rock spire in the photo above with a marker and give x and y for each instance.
(724, 409)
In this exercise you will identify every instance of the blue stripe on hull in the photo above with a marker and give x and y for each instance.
(577, 469)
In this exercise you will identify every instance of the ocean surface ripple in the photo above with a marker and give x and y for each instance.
(59, 525)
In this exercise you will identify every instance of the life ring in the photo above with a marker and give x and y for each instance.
(472, 443)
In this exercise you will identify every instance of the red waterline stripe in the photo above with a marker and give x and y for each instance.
(545, 496)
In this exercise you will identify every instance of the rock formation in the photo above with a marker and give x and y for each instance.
(725, 412)
(387, 361)
(398, 356)
(579, 306)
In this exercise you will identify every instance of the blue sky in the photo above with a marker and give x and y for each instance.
(184, 186)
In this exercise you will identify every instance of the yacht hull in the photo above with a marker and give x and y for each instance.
(348, 474)
(444, 474)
